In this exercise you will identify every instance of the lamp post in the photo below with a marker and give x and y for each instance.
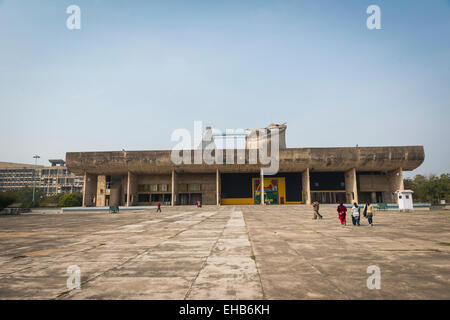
(36, 157)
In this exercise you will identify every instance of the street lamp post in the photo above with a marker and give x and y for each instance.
(36, 157)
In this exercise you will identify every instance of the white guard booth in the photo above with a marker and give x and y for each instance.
(404, 199)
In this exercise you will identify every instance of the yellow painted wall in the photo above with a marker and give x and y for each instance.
(237, 201)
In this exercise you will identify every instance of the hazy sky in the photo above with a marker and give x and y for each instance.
(137, 70)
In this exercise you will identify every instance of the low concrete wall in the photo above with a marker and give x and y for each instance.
(15, 210)
(84, 209)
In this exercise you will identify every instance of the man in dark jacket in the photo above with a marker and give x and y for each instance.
(315, 205)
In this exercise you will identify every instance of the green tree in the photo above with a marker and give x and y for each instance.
(409, 184)
(51, 200)
(25, 197)
(73, 199)
(429, 188)
(7, 198)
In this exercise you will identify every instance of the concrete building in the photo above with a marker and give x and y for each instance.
(53, 179)
(18, 175)
(329, 175)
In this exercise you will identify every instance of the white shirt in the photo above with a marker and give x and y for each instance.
(355, 211)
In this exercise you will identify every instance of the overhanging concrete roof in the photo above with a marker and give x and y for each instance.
(291, 160)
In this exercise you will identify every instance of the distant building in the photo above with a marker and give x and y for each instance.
(52, 179)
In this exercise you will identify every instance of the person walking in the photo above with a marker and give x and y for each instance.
(369, 212)
(355, 214)
(342, 212)
(315, 205)
(159, 207)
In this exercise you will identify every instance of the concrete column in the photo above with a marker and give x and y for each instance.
(84, 190)
(132, 181)
(351, 186)
(262, 187)
(128, 188)
(115, 191)
(306, 187)
(395, 183)
(89, 189)
(173, 197)
(373, 197)
(217, 187)
(101, 191)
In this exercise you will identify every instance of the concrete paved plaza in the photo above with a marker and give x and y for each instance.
(231, 252)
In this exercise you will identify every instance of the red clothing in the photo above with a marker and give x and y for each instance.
(159, 205)
(342, 210)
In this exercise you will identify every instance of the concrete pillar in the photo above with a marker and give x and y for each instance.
(89, 189)
(132, 191)
(262, 187)
(128, 189)
(114, 197)
(351, 186)
(173, 197)
(306, 187)
(101, 191)
(217, 187)
(395, 183)
(115, 191)
(373, 197)
(84, 189)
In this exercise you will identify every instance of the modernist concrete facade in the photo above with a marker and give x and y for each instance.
(329, 175)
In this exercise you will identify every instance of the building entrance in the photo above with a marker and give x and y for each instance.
(189, 198)
(328, 197)
(184, 198)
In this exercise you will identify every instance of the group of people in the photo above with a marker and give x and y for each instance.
(368, 213)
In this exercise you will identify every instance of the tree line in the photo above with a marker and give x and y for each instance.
(24, 198)
(431, 188)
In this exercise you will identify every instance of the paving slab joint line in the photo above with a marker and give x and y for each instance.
(65, 293)
(67, 246)
(95, 246)
(186, 296)
(315, 268)
(45, 268)
(370, 250)
(254, 257)
(177, 234)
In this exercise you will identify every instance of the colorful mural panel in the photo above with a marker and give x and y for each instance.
(271, 190)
